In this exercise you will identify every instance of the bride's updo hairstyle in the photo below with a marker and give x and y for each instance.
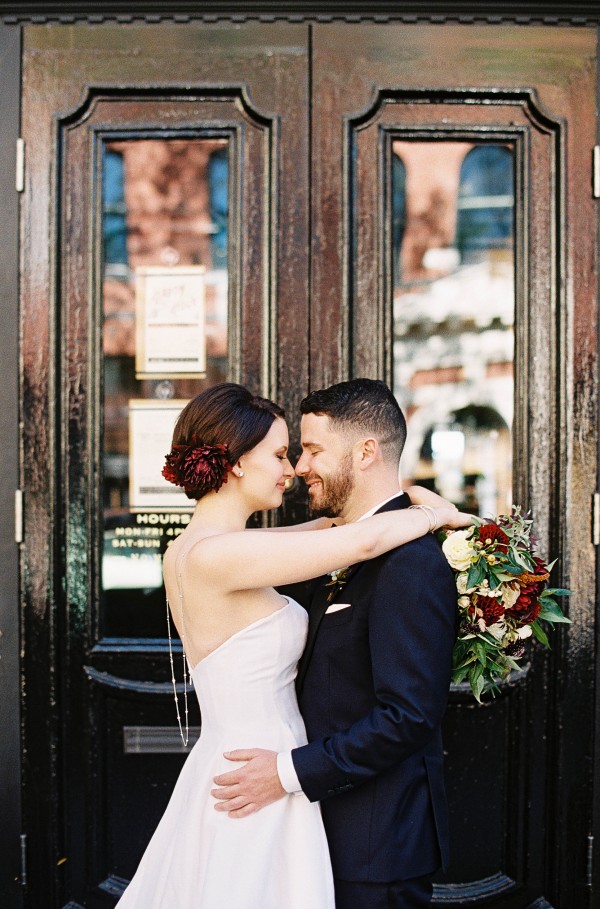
(212, 433)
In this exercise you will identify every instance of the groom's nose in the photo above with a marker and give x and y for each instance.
(302, 465)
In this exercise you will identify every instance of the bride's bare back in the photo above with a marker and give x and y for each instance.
(212, 614)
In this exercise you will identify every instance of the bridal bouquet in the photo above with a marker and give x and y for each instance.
(503, 598)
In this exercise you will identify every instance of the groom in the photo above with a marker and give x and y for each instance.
(373, 681)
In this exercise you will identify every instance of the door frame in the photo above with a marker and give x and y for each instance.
(10, 739)
(559, 14)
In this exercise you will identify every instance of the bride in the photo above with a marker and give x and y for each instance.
(242, 641)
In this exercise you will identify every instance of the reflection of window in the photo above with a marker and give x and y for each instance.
(485, 201)
(114, 226)
(467, 459)
(398, 213)
(218, 170)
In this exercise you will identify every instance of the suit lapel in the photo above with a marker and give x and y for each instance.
(325, 594)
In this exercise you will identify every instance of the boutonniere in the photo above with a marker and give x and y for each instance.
(338, 579)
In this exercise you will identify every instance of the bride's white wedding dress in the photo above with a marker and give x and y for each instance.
(277, 858)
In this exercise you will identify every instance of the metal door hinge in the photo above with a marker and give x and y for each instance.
(18, 515)
(20, 168)
(23, 859)
(596, 171)
(590, 860)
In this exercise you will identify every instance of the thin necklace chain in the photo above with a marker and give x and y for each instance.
(186, 670)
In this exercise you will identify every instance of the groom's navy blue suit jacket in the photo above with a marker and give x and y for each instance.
(372, 687)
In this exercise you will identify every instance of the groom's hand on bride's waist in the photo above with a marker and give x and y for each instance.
(250, 786)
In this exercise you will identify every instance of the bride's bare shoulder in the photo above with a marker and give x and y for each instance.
(195, 550)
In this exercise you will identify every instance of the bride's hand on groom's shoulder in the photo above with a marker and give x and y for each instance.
(448, 514)
(249, 787)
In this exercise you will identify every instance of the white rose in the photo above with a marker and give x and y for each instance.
(524, 632)
(464, 602)
(510, 594)
(461, 583)
(457, 550)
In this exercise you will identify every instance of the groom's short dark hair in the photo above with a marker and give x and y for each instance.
(362, 405)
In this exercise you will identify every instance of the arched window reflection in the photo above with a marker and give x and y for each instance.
(467, 458)
(485, 201)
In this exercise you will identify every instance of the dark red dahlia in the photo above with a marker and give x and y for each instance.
(492, 609)
(531, 615)
(526, 598)
(172, 469)
(198, 468)
(491, 533)
(205, 467)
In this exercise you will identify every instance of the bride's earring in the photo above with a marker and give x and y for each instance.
(241, 473)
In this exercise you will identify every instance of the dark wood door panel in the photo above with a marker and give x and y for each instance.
(534, 90)
(519, 769)
(83, 88)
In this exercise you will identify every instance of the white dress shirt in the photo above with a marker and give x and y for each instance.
(285, 765)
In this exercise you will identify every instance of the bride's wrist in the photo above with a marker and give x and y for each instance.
(431, 513)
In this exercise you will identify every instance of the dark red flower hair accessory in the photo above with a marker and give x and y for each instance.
(198, 468)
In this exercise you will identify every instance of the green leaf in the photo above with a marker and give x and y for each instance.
(555, 592)
(551, 612)
(477, 681)
(511, 568)
(466, 662)
(512, 664)
(477, 688)
(481, 651)
(491, 640)
(475, 672)
(540, 634)
(459, 675)
(494, 579)
(476, 574)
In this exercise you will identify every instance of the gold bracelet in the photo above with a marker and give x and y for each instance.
(431, 515)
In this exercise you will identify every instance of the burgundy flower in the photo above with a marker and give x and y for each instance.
(525, 600)
(527, 606)
(491, 533)
(198, 468)
(492, 609)
(515, 650)
(172, 469)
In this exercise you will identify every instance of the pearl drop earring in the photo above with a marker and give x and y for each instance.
(241, 473)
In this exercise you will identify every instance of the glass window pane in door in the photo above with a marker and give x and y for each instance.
(164, 302)
(453, 308)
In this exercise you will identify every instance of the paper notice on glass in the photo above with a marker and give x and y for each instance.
(170, 322)
(151, 424)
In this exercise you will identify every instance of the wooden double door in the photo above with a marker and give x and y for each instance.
(283, 169)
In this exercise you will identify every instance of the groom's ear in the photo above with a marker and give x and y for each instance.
(368, 452)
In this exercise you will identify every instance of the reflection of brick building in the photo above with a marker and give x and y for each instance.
(165, 203)
(454, 315)
(166, 216)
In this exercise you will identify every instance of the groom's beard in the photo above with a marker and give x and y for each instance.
(334, 492)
